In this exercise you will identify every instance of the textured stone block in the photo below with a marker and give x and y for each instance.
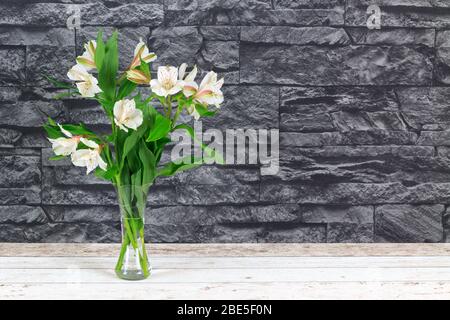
(30, 114)
(10, 196)
(70, 176)
(13, 66)
(175, 45)
(83, 214)
(307, 4)
(350, 233)
(404, 223)
(245, 17)
(293, 234)
(220, 55)
(204, 194)
(220, 33)
(217, 4)
(307, 109)
(22, 215)
(355, 193)
(351, 65)
(246, 107)
(422, 107)
(401, 13)
(296, 36)
(366, 36)
(370, 137)
(48, 61)
(20, 171)
(214, 215)
(9, 137)
(57, 37)
(97, 13)
(443, 56)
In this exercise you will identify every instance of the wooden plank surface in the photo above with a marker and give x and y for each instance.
(229, 271)
(229, 250)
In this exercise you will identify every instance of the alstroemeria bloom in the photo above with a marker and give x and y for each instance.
(87, 60)
(86, 83)
(126, 115)
(190, 86)
(137, 77)
(210, 92)
(142, 53)
(65, 146)
(89, 158)
(167, 82)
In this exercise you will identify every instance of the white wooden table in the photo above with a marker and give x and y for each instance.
(230, 271)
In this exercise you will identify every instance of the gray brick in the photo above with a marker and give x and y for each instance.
(13, 66)
(404, 223)
(297, 36)
(307, 65)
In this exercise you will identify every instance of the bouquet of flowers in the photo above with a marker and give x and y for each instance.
(129, 157)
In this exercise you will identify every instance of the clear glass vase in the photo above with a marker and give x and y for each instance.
(133, 263)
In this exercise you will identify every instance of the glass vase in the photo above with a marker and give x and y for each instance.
(133, 263)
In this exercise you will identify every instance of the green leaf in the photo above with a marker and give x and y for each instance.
(78, 130)
(99, 51)
(172, 168)
(203, 111)
(160, 129)
(52, 132)
(56, 158)
(59, 84)
(108, 72)
(148, 164)
(106, 175)
(131, 141)
(126, 88)
(145, 68)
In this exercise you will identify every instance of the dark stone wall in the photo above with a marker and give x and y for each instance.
(363, 116)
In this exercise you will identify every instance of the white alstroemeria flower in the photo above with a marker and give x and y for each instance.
(126, 115)
(65, 146)
(210, 92)
(86, 83)
(87, 60)
(141, 52)
(190, 86)
(167, 82)
(193, 111)
(89, 158)
(138, 77)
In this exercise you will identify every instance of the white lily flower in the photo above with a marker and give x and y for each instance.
(65, 146)
(167, 82)
(86, 83)
(89, 158)
(210, 92)
(126, 115)
(141, 52)
(87, 60)
(190, 86)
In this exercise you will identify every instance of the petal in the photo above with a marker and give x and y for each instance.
(64, 131)
(192, 75)
(77, 73)
(89, 143)
(182, 71)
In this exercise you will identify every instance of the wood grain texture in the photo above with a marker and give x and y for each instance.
(229, 250)
(229, 271)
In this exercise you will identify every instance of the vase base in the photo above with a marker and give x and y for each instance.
(132, 275)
